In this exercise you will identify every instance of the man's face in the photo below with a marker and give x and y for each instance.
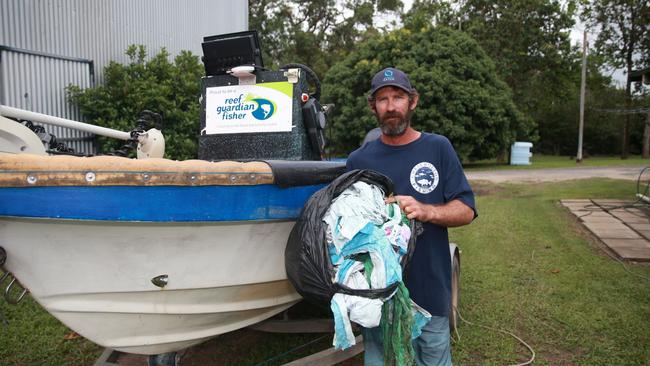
(393, 110)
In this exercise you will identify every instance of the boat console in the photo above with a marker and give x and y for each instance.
(251, 113)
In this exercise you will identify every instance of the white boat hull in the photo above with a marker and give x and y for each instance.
(88, 236)
(95, 276)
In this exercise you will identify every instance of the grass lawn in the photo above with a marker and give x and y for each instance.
(551, 161)
(527, 267)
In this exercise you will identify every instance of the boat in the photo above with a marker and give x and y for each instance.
(150, 256)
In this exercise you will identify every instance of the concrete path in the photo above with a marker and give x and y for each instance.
(620, 225)
(559, 174)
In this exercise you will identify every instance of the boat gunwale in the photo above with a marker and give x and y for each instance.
(27, 170)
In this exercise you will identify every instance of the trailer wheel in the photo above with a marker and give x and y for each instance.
(455, 291)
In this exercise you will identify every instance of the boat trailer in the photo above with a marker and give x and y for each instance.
(327, 357)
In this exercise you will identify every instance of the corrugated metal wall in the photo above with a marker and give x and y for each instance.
(37, 82)
(97, 30)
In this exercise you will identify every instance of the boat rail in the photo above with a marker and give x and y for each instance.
(8, 297)
(12, 282)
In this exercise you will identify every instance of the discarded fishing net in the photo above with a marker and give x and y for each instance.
(348, 250)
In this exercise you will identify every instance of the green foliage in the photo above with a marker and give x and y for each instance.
(558, 127)
(623, 38)
(602, 126)
(527, 39)
(315, 33)
(171, 89)
(622, 42)
(423, 13)
(461, 95)
(529, 43)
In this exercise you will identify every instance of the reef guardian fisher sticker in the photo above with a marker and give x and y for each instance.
(265, 107)
(424, 177)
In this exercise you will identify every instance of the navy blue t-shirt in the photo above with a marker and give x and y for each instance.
(429, 170)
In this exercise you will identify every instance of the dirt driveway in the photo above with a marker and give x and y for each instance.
(559, 174)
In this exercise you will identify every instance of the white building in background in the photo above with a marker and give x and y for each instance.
(46, 45)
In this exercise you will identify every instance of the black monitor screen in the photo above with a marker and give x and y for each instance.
(225, 51)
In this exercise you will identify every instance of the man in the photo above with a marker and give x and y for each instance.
(431, 187)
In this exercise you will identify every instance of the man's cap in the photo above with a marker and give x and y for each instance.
(390, 76)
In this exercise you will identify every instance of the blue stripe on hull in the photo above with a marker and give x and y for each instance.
(157, 203)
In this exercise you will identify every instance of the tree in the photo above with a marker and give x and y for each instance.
(461, 96)
(316, 33)
(529, 43)
(171, 89)
(528, 40)
(623, 41)
(558, 133)
(424, 13)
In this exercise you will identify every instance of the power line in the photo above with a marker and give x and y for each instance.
(622, 110)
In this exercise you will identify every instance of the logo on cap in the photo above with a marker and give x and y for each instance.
(388, 75)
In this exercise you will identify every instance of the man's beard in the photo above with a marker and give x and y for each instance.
(398, 129)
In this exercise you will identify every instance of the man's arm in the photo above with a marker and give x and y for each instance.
(451, 214)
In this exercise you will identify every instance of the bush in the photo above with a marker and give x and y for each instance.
(461, 95)
(171, 89)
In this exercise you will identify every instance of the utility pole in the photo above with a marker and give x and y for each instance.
(583, 83)
(646, 137)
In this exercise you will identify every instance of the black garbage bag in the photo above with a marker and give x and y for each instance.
(307, 260)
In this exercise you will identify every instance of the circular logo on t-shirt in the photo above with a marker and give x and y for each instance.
(424, 177)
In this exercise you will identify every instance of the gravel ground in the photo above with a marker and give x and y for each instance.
(555, 175)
